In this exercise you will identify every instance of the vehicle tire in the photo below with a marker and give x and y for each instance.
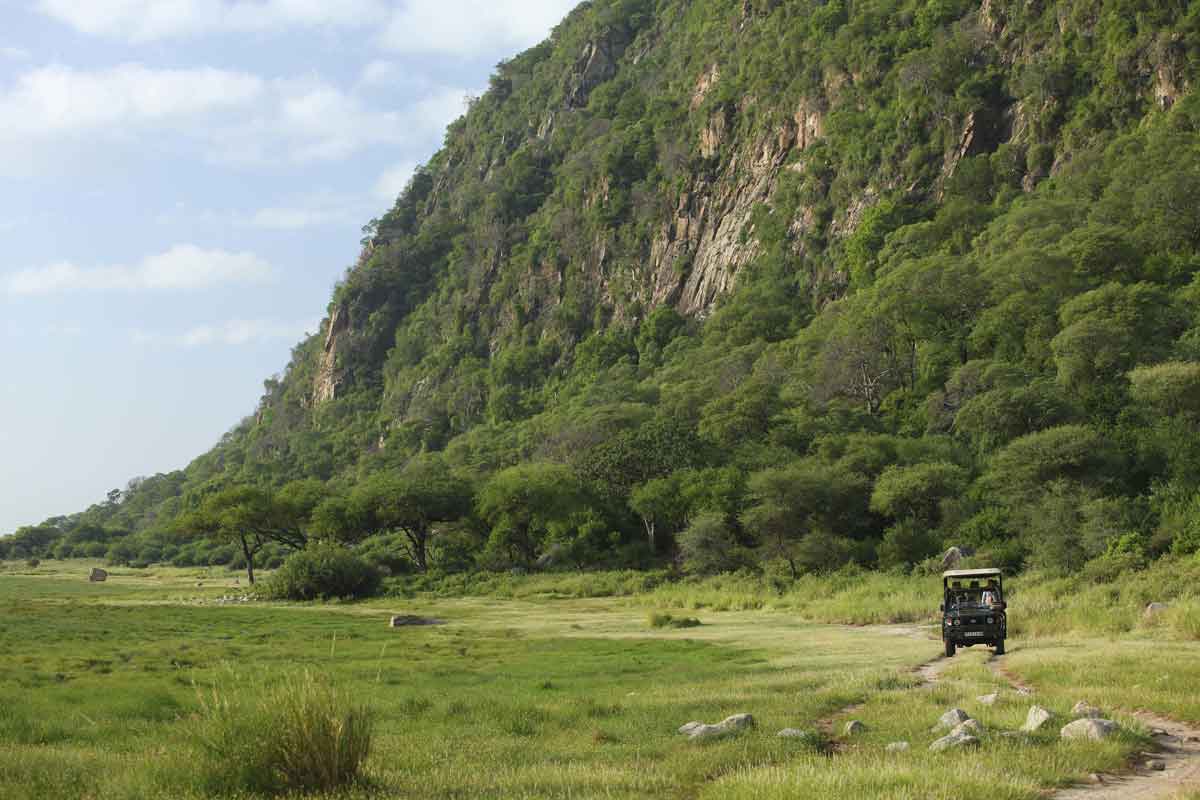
(949, 649)
(1000, 647)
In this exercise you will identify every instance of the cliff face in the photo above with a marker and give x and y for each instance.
(654, 155)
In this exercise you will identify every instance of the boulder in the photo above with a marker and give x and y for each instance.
(853, 727)
(98, 575)
(1082, 709)
(406, 620)
(701, 731)
(1036, 719)
(1154, 609)
(1088, 728)
(952, 719)
(897, 747)
(1156, 764)
(988, 699)
(970, 727)
(951, 558)
(953, 741)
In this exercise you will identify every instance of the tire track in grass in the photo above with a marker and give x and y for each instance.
(1177, 752)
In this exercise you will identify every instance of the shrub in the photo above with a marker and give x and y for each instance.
(321, 572)
(32, 563)
(301, 736)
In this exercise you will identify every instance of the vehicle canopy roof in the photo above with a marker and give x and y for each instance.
(971, 573)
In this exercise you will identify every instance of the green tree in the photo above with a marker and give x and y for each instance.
(521, 503)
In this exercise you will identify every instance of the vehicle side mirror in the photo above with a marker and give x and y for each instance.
(942, 607)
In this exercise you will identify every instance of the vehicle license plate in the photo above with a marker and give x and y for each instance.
(974, 633)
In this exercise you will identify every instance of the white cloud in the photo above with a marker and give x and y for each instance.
(153, 20)
(468, 27)
(182, 267)
(244, 331)
(233, 117)
(378, 72)
(58, 100)
(392, 182)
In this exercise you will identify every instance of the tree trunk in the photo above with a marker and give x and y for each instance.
(249, 554)
(649, 523)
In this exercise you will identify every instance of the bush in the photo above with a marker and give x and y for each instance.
(323, 572)
(301, 736)
(32, 563)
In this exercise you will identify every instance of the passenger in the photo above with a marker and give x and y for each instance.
(991, 595)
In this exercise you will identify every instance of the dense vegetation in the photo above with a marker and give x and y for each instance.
(966, 310)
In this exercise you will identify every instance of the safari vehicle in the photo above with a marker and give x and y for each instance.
(973, 609)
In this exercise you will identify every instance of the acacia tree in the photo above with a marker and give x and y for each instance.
(252, 517)
(522, 503)
(412, 501)
(658, 502)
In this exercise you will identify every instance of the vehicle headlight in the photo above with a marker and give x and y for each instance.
(958, 622)
(990, 620)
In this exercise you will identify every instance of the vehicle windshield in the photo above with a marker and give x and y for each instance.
(972, 597)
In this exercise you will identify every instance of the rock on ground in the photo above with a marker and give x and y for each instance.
(954, 741)
(988, 699)
(1036, 719)
(1154, 609)
(1083, 709)
(897, 747)
(854, 726)
(1089, 728)
(970, 727)
(700, 730)
(406, 620)
(952, 719)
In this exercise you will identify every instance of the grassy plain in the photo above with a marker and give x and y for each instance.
(100, 685)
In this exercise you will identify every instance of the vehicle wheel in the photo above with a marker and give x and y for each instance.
(949, 649)
(1000, 647)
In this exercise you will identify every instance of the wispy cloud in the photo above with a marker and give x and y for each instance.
(15, 53)
(468, 27)
(233, 117)
(182, 267)
(231, 333)
(154, 20)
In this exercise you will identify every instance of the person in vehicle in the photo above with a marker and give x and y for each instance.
(991, 595)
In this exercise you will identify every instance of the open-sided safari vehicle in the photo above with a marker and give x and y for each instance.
(973, 609)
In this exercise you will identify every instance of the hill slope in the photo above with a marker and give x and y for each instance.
(815, 281)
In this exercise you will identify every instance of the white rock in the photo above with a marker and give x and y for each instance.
(897, 747)
(1089, 728)
(1036, 719)
(687, 728)
(1082, 709)
(988, 699)
(970, 727)
(854, 727)
(700, 730)
(952, 719)
(953, 742)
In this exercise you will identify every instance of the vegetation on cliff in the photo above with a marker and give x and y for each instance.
(778, 284)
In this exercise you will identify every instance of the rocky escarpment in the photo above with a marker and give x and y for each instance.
(330, 376)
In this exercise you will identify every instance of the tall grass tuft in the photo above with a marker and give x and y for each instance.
(299, 737)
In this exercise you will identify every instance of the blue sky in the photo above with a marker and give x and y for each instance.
(183, 182)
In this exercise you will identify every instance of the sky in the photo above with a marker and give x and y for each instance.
(182, 182)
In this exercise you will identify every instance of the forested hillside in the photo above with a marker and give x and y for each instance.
(778, 284)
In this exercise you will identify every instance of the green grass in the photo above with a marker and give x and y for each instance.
(101, 689)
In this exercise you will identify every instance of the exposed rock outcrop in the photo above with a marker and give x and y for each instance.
(329, 374)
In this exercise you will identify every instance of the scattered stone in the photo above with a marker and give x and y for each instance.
(98, 575)
(854, 727)
(1036, 719)
(1089, 728)
(897, 747)
(951, 558)
(1096, 777)
(952, 719)
(953, 741)
(1082, 709)
(1024, 690)
(970, 727)
(1158, 765)
(406, 620)
(700, 730)
(1153, 610)
(988, 699)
